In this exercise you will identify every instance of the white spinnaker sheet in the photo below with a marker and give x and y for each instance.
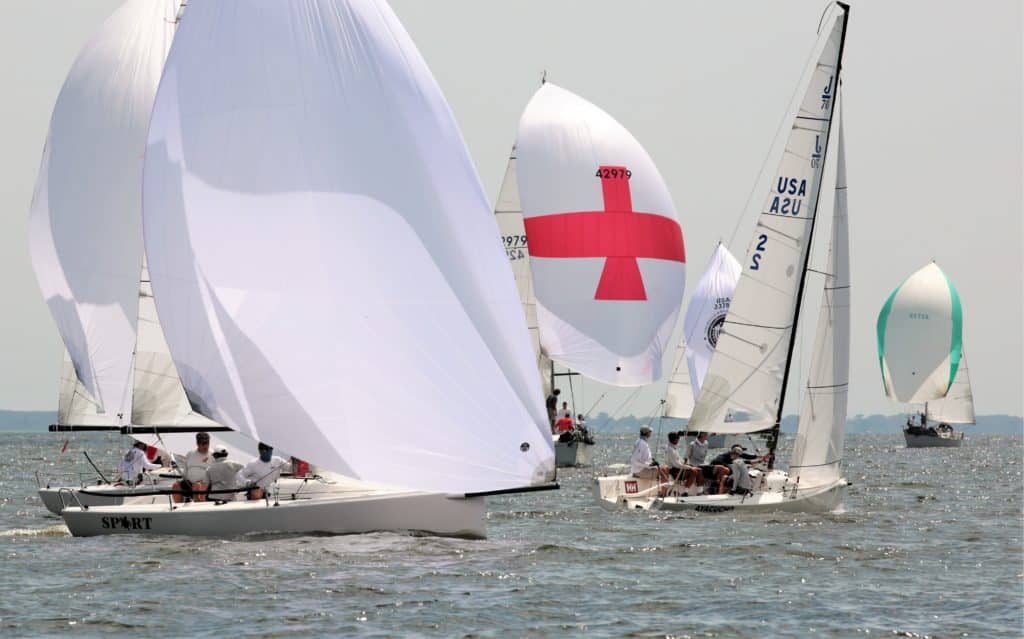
(919, 337)
(606, 248)
(327, 269)
(957, 407)
(705, 315)
(746, 372)
(818, 446)
(86, 223)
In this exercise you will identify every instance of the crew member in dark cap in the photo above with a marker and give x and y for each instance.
(261, 472)
(724, 464)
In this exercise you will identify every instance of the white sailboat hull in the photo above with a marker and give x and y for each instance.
(952, 440)
(778, 495)
(375, 511)
(572, 454)
(57, 498)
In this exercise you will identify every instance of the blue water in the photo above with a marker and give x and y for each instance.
(930, 545)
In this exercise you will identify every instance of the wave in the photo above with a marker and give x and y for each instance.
(58, 530)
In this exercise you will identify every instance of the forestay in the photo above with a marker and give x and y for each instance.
(919, 337)
(746, 376)
(606, 248)
(85, 228)
(509, 215)
(957, 407)
(818, 447)
(327, 269)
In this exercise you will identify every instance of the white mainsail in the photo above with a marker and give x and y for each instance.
(679, 395)
(324, 260)
(509, 215)
(85, 226)
(74, 405)
(920, 329)
(606, 248)
(747, 373)
(818, 447)
(957, 407)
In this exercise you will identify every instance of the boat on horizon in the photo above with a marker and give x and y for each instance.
(922, 358)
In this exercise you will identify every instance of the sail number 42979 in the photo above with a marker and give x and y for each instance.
(606, 173)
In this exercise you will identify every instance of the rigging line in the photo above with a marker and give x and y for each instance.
(844, 384)
(831, 463)
(814, 270)
(751, 325)
(771, 147)
(588, 411)
(615, 412)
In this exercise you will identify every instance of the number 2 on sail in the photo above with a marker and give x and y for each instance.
(755, 259)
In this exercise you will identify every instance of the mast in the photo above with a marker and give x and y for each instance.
(773, 438)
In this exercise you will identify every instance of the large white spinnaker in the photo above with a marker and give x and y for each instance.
(606, 248)
(705, 315)
(85, 226)
(509, 215)
(818, 447)
(957, 407)
(920, 328)
(702, 323)
(327, 269)
(747, 374)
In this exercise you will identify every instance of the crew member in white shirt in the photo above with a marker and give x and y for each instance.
(221, 475)
(133, 463)
(641, 462)
(193, 471)
(261, 472)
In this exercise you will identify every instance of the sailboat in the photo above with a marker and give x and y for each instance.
(313, 229)
(745, 385)
(921, 355)
(702, 324)
(572, 448)
(603, 274)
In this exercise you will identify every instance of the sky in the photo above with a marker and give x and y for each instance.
(932, 114)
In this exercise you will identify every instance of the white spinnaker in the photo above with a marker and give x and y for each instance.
(678, 394)
(509, 215)
(818, 447)
(746, 373)
(606, 249)
(919, 337)
(85, 228)
(326, 267)
(705, 315)
(957, 407)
